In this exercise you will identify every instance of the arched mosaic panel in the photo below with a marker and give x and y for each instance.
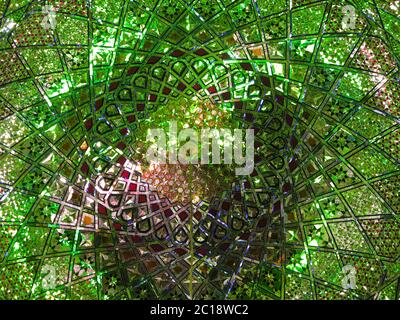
(84, 216)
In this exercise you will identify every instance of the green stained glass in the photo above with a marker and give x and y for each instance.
(84, 214)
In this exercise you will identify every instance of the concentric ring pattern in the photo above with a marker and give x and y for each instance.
(82, 216)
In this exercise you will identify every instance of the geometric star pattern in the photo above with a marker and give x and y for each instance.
(82, 216)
